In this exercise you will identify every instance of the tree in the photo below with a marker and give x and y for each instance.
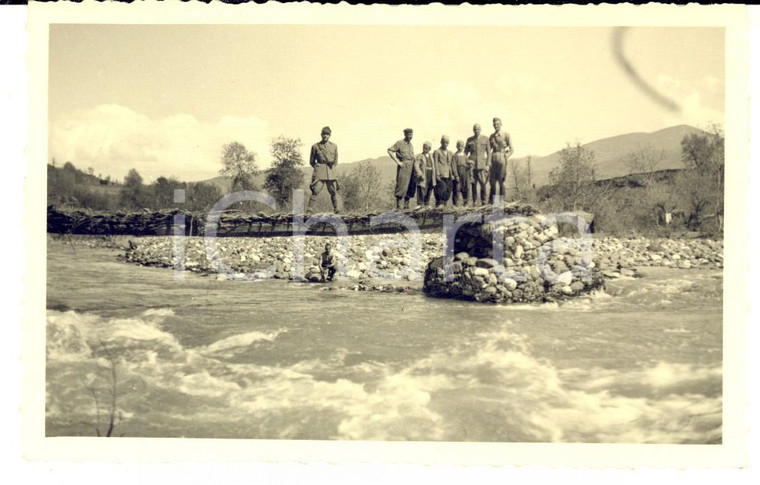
(132, 194)
(522, 183)
(644, 161)
(162, 189)
(361, 189)
(573, 180)
(240, 165)
(703, 155)
(285, 174)
(658, 198)
(202, 196)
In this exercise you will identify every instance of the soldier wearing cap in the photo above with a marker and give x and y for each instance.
(477, 150)
(462, 168)
(323, 158)
(442, 159)
(424, 169)
(501, 149)
(402, 153)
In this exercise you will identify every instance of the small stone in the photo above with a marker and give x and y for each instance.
(684, 264)
(576, 286)
(486, 263)
(461, 256)
(509, 283)
(567, 290)
(480, 272)
(518, 252)
(565, 278)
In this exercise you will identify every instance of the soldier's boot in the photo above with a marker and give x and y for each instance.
(406, 204)
(398, 203)
(334, 199)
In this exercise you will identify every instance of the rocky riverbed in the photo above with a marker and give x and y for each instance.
(388, 257)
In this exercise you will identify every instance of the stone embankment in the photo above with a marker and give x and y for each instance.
(384, 261)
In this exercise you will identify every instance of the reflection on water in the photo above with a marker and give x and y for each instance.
(207, 358)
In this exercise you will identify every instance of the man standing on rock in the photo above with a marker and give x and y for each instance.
(324, 158)
(402, 153)
(501, 149)
(462, 168)
(442, 159)
(477, 150)
(424, 169)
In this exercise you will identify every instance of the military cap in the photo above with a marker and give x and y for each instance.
(327, 130)
(408, 130)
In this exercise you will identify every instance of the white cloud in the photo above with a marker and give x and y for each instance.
(113, 139)
(694, 110)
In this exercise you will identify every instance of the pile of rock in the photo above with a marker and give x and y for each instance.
(381, 256)
(514, 260)
(619, 257)
(531, 247)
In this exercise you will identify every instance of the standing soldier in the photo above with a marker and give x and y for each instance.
(323, 158)
(424, 169)
(402, 153)
(477, 150)
(501, 149)
(442, 159)
(462, 174)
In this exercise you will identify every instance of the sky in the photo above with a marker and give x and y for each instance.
(164, 99)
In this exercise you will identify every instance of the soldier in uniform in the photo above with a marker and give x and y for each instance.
(323, 158)
(462, 167)
(477, 150)
(424, 169)
(501, 149)
(442, 159)
(402, 153)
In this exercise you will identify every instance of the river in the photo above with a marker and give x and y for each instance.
(638, 363)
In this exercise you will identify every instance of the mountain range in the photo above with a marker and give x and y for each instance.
(610, 154)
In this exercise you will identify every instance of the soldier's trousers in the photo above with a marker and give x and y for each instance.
(332, 188)
(479, 179)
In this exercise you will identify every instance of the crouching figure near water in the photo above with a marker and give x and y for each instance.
(327, 263)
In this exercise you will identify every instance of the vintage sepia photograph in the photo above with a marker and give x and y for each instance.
(378, 232)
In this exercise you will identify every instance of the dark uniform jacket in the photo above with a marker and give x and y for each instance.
(324, 157)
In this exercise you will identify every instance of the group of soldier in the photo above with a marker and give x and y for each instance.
(459, 178)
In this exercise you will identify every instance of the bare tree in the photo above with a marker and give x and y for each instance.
(574, 179)
(659, 198)
(703, 155)
(113, 416)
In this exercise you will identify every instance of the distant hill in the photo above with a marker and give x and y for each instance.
(609, 153)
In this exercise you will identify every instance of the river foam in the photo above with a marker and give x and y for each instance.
(488, 386)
